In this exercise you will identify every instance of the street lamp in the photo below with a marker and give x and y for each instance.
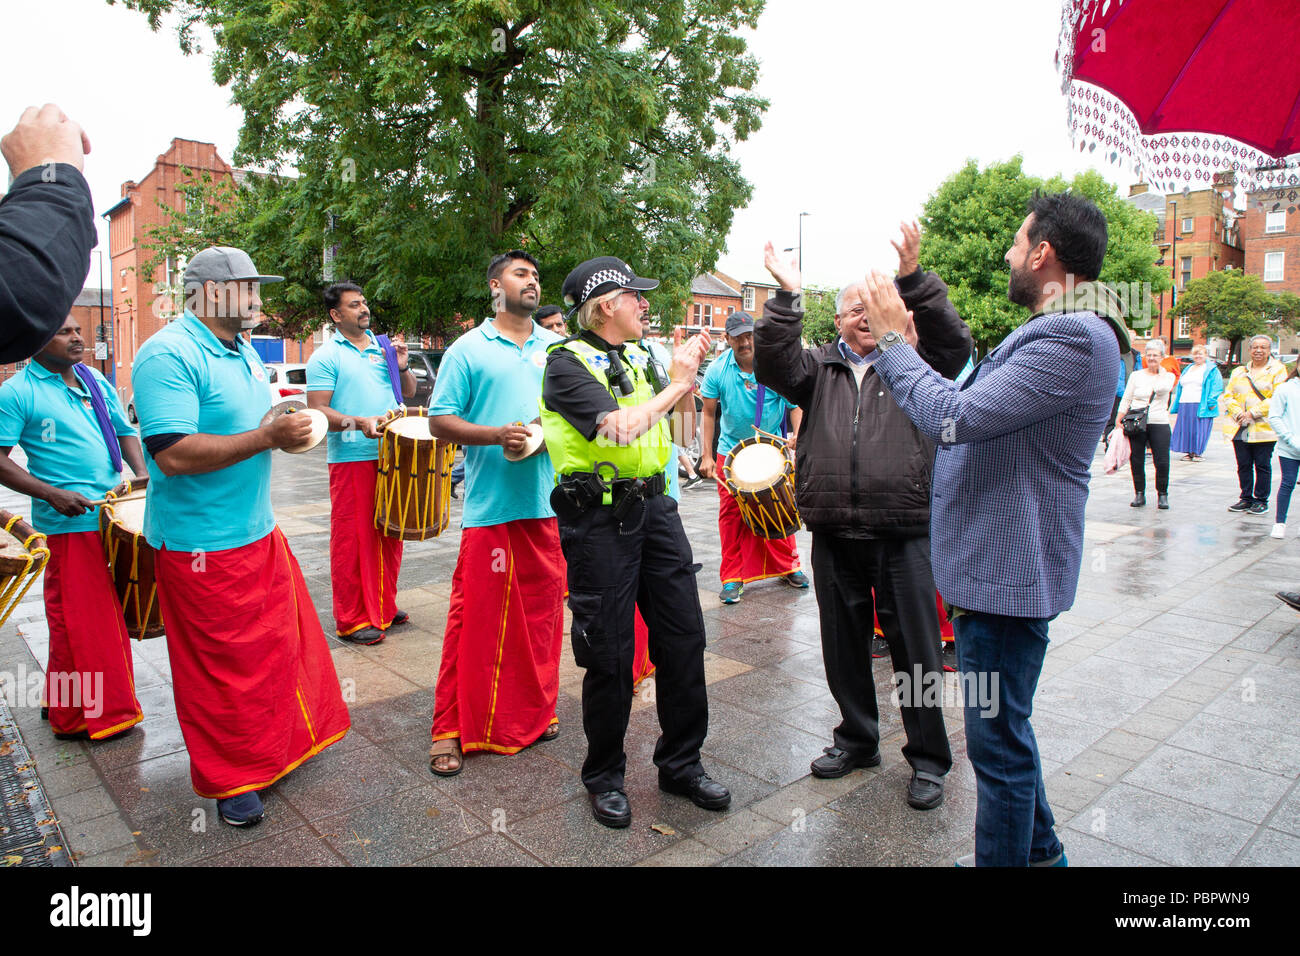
(801, 215)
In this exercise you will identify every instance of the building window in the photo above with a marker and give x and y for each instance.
(697, 312)
(730, 309)
(749, 298)
(1273, 266)
(1187, 271)
(1275, 221)
(1188, 224)
(708, 315)
(1184, 328)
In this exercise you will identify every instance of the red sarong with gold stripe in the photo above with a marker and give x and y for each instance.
(642, 666)
(945, 625)
(745, 556)
(500, 672)
(364, 563)
(90, 678)
(256, 691)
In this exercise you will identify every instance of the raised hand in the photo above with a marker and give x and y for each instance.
(44, 136)
(885, 309)
(909, 251)
(786, 274)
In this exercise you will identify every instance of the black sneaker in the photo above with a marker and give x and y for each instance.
(1242, 504)
(1258, 508)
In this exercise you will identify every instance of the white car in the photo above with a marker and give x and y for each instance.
(287, 381)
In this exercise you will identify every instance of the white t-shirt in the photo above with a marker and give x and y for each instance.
(1193, 381)
(1146, 389)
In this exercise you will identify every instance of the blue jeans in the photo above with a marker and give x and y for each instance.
(999, 659)
(1290, 469)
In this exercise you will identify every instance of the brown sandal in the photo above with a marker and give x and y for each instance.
(447, 750)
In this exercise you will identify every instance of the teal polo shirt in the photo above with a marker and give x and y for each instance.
(361, 386)
(187, 381)
(486, 379)
(57, 428)
(738, 391)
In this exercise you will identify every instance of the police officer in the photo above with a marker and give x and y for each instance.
(604, 403)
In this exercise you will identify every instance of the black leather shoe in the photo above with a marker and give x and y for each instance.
(1290, 598)
(611, 808)
(924, 792)
(1162, 502)
(703, 790)
(1139, 500)
(836, 762)
(365, 637)
(401, 617)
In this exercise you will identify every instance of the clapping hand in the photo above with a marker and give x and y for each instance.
(786, 274)
(885, 309)
(909, 251)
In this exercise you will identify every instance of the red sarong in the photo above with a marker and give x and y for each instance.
(945, 625)
(90, 678)
(256, 691)
(500, 671)
(642, 667)
(364, 563)
(745, 556)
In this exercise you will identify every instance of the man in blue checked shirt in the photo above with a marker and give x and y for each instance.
(1016, 441)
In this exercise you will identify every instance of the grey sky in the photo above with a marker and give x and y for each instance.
(873, 104)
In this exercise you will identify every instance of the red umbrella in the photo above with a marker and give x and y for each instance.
(1182, 89)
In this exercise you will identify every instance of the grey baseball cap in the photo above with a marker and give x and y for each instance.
(738, 323)
(224, 264)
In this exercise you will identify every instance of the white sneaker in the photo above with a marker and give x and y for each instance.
(1279, 530)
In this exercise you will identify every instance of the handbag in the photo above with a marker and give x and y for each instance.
(1135, 422)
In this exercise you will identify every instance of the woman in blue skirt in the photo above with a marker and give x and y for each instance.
(1196, 402)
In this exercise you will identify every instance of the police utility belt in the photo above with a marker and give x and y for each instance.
(583, 490)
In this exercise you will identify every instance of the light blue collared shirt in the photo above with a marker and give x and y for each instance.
(853, 357)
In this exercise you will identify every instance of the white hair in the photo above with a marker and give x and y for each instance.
(1266, 338)
(591, 307)
(839, 299)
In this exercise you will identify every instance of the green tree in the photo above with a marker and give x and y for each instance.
(428, 137)
(1234, 305)
(971, 221)
(819, 314)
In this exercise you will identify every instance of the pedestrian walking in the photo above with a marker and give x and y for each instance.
(1144, 415)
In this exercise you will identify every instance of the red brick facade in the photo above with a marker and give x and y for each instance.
(1268, 253)
(139, 312)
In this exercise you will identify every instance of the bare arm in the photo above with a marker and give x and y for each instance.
(625, 425)
(368, 424)
(708, 464)
(452, 428)
(133, 454)
(13, 476)
(199, 454)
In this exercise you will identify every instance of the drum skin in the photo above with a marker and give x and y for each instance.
(413, 491)
(130, 560)
(767, 504)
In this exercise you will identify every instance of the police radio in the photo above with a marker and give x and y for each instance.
(617, 374)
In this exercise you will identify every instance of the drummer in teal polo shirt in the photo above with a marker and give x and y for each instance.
(498, 678)
(71, 425)
(354, 379)
(730, 382)
(256, 691)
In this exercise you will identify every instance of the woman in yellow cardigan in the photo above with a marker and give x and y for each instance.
(1246, 403)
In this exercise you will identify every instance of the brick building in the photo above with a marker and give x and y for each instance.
(90, 304)
(1197, 234)
(1270, 230)
(138, 310)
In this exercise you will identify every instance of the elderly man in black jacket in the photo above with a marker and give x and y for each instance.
(862, 480)
(47, 229)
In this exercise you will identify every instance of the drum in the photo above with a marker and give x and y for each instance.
(130, 559)
(22, 557)
(759, 473)
(413, 492)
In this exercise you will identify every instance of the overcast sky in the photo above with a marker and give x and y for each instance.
(873, 104)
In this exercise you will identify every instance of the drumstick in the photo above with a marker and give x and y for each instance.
(769, 435)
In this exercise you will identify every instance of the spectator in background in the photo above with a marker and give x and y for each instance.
(1196, 403)
(551, 317)
(47, 229)
(1149, 388)
(1284, 419)
(1249, 390)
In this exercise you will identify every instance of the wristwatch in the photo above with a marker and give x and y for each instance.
(889, 340)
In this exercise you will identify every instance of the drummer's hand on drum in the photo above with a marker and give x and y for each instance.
(512, 437)
(289, 431)
(70, 503)
(707, 468)
(369, 425)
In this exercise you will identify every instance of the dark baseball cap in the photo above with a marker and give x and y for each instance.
(738, 323)
(600, 275)
(224, 264)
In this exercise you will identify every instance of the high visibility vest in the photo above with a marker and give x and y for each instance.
(571, 452)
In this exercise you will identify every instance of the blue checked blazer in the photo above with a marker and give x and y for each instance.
(1016, 442)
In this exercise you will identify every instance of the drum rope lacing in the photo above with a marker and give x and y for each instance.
(130, 595)
(34, 563)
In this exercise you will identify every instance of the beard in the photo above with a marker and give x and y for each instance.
(1021, 289)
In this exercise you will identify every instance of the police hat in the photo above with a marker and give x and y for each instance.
(597, 276)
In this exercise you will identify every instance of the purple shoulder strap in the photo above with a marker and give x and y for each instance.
(100, 408)
(394, 376)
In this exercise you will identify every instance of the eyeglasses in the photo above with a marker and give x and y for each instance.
(639, 296)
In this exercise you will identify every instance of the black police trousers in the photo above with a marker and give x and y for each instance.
(611, 573)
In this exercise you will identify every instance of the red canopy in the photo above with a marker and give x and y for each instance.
(1182, 89)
